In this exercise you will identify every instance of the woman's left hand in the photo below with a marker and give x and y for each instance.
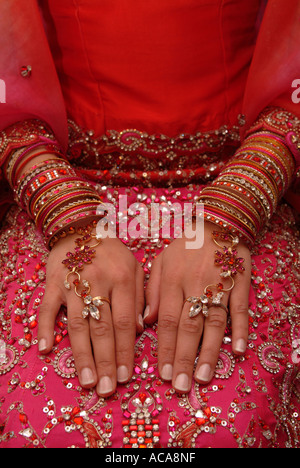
(177, 274)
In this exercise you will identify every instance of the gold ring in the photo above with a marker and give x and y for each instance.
(199, 304)
(219, 304)
(102, 299)
(202, 305)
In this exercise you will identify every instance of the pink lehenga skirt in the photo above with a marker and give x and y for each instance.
(253, 401)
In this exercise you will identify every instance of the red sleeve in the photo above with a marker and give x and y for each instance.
(276, 61)
(35, 93)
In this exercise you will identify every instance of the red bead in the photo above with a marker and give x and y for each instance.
(133, 428)
(23, 418)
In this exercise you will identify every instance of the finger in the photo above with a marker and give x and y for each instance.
(171, 300)
(188, 339)
(239, 305)
(153, 291)
(214, 329)
(103, 342)
(140, 298)
(79, 334)
(124, 323)
(49, 309)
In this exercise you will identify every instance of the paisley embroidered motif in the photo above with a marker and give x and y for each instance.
(9, 359)
(64, 364)
(225, 366)
(269, 354)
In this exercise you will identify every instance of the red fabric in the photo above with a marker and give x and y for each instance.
(164, 67)
(23, 43)
(178, 67)
(160, 68)
(276, 62)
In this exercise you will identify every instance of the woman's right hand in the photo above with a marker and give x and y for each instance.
(103, 350)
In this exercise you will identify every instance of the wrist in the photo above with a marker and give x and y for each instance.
(52, 193)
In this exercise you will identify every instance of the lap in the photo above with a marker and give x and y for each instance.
(252, 401)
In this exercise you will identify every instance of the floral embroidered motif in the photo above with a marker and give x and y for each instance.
(131, 155)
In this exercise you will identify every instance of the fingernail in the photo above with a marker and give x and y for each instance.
(141, 321)
(105, 386)
(204, 373)
(147, 312)
(182, 382)
(240, 346)
(122, 374)
(87, 377)
(167, 372)
(42, 344)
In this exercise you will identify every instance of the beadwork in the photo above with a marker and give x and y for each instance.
(231, 265)
(253, 400)
(75, 263)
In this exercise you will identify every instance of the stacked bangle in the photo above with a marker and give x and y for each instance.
(55, 197)
(51, 192)
(246, 193)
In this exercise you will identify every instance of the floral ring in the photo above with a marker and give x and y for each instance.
(75, 263)
(202, 305)
(92, 306)
(231, 264)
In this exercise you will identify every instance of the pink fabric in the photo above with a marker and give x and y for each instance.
(251, 402)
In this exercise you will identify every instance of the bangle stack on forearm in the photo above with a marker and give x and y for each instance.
(247, 191)
(50, 191)
(55, 197)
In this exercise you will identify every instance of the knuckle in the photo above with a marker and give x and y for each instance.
(173, 277)
(81, 359)
(47, 303)
(191, 326)
(44, 307)
(199, 270)
(217, 320)
(122, 275)
(166, 349)
(241, 309)
(75, 324)
(101, 329)
(125, 355)
(124, 323)
(168, 321)
(104, 364)
(198, 274)
(93, 270)
(185, 361)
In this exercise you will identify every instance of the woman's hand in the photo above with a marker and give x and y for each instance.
(177, 274)
(103, 350)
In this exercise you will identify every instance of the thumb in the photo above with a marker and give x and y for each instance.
(239, 306)
(48, 311)
(140, 298)
(153, 291)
